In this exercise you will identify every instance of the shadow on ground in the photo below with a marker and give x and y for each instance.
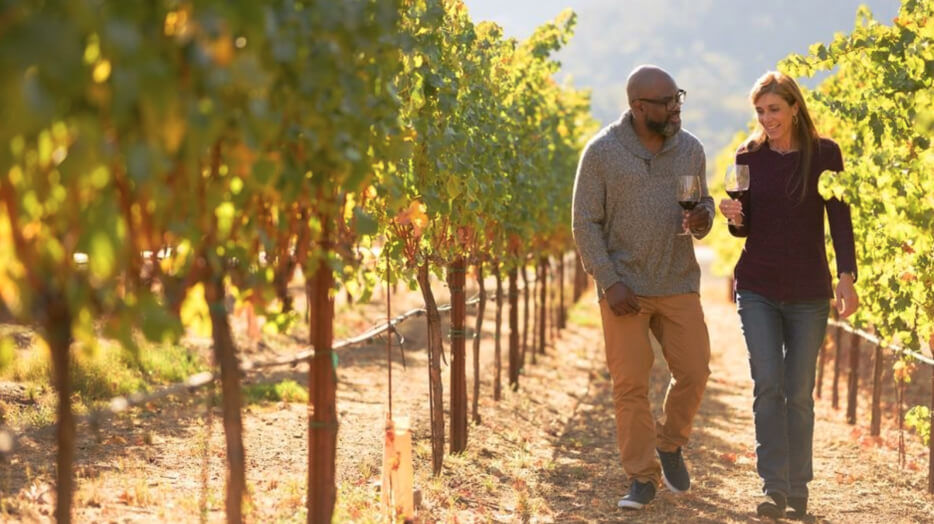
(588, 480)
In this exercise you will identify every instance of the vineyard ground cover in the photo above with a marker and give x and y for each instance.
(546, 453)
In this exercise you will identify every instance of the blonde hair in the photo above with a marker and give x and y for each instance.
(803, 132)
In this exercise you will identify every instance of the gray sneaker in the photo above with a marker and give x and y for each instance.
(674, 472)
(640, 494)
(798, 506)
(772, 505)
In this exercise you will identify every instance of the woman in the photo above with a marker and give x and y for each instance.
(783, 283)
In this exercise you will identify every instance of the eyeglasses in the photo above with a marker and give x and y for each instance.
(670, 102)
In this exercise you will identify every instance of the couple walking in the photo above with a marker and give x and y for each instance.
(647, 278)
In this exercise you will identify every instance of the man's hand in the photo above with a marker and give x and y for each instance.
(847, 299)
(622, 300)
(697, 219)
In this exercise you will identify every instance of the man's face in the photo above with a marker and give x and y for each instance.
(662, 109)
(666, 124)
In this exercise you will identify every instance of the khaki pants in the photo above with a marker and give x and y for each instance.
(678, 323)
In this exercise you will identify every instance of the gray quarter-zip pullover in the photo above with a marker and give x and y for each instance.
(625, 212)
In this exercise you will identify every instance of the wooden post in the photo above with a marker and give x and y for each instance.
(875, 426)
(525, 313)
(514, 362)
(322, 386)
(553, 310)
(456, 280)
(497, 336)
(535, 316)
(543, 297)
(562, 312)
(838, 356)
(931, 433)
(853, 380)
(56, 324)
(478, 333)
(821, 357)
(580, 278)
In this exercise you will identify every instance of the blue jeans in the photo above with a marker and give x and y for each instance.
(783, 340)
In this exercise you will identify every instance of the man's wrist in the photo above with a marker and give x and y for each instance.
(847, 274)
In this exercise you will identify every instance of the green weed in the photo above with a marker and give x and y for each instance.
(286, 391)
(583, 316)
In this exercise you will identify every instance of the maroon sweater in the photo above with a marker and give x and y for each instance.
(784, 258)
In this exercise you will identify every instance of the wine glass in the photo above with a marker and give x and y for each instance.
(736, 182)
(689, 194)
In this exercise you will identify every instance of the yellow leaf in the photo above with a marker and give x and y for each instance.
(176, 24)
(102, 256)
(418, 217)
(194, 312)
(9, 295)
(173, 130)
(222, 50)
(225, 215)
(101, 71)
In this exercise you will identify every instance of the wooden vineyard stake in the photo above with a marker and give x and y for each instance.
(931, 422)
(478, 331)
(875, 426)
(497, 333)
(515, 363)
(543, 304)
(456, 280)
(852, 381)
(322, 394)
(837, 357)
(562, 312)
(821, 358)
(525, 313)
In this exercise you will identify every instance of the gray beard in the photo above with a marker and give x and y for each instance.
(665, 128)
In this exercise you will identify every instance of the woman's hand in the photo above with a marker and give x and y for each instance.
(732, 210)
(847, 299)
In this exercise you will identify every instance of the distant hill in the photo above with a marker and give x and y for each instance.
(715, 49)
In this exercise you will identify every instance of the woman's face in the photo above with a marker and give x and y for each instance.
(775, 116)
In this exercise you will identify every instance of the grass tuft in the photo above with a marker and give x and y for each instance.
(286, 391)
(582, 315)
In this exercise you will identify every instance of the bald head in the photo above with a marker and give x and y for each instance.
(654, 102)
(647, 81)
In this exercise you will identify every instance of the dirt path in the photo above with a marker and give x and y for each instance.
(546, 453)
(857, 478)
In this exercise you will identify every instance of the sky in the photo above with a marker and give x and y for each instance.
(715, 49)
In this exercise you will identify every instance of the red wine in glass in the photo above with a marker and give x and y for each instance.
(736, 182)
(689, 194)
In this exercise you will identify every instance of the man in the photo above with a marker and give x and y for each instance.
(626, 221)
